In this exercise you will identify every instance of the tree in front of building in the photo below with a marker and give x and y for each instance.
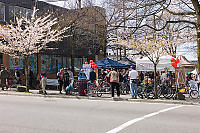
(28, 36)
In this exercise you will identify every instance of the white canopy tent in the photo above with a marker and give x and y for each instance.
(145, 64)
(194, 71)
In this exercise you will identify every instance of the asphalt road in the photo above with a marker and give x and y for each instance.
(20, 114)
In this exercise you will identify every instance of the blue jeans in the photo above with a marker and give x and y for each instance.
(133, 88)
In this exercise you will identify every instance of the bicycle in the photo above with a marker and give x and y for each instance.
(103, 88)
(124, 88)
(194, 94)
(193, 90)
(91, 89)
(146, 90)
(140, 90)
(164, 90)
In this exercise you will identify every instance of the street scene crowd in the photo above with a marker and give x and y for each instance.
(98, 82)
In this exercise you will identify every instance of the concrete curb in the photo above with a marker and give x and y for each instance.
(106, 99)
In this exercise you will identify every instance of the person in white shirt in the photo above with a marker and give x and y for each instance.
(164, 77)
(133, 76)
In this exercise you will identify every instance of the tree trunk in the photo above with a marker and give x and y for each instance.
(38, 64)
(155, 82)
(27, 74)
(104, 46)
(124, 52)
(197, 10)
(73, 50)
(198, 48)
(120, 53)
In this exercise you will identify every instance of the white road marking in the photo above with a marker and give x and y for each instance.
(131, 122)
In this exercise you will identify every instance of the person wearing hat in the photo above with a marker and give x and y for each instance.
(82, 75)
(82, 83)
(133, 76)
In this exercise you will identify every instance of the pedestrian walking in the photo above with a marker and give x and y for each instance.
(114, 81)
(60, 80)
(43, 82)
(133, 76)
(4, 76)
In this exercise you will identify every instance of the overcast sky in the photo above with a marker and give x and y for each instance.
(72, 2)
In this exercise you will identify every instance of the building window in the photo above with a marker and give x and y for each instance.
(11, 13)
(2, 12)
(15, 11)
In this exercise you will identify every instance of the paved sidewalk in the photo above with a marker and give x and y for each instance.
(55, 94)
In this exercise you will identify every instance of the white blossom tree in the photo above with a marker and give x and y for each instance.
(28, 36)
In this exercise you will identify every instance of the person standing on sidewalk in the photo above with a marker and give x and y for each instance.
(66, 79)
(133, 76)
(4, 76)
(70, 75)
(92, 76)
(43, 83)
(114, 80)
(60, 80)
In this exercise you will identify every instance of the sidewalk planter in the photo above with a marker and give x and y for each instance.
(21, 88)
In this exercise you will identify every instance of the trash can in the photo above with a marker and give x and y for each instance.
(82, 85)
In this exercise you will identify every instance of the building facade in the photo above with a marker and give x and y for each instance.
(87, 43)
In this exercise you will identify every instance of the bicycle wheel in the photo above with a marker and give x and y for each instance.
(149, 92)
(127, 88)
(99, 89)
(122, 89)
(167, 92)
(173, 93)
(140, 92)
(106, 87)
(99, 92)
(159, 91)
(194, 94)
